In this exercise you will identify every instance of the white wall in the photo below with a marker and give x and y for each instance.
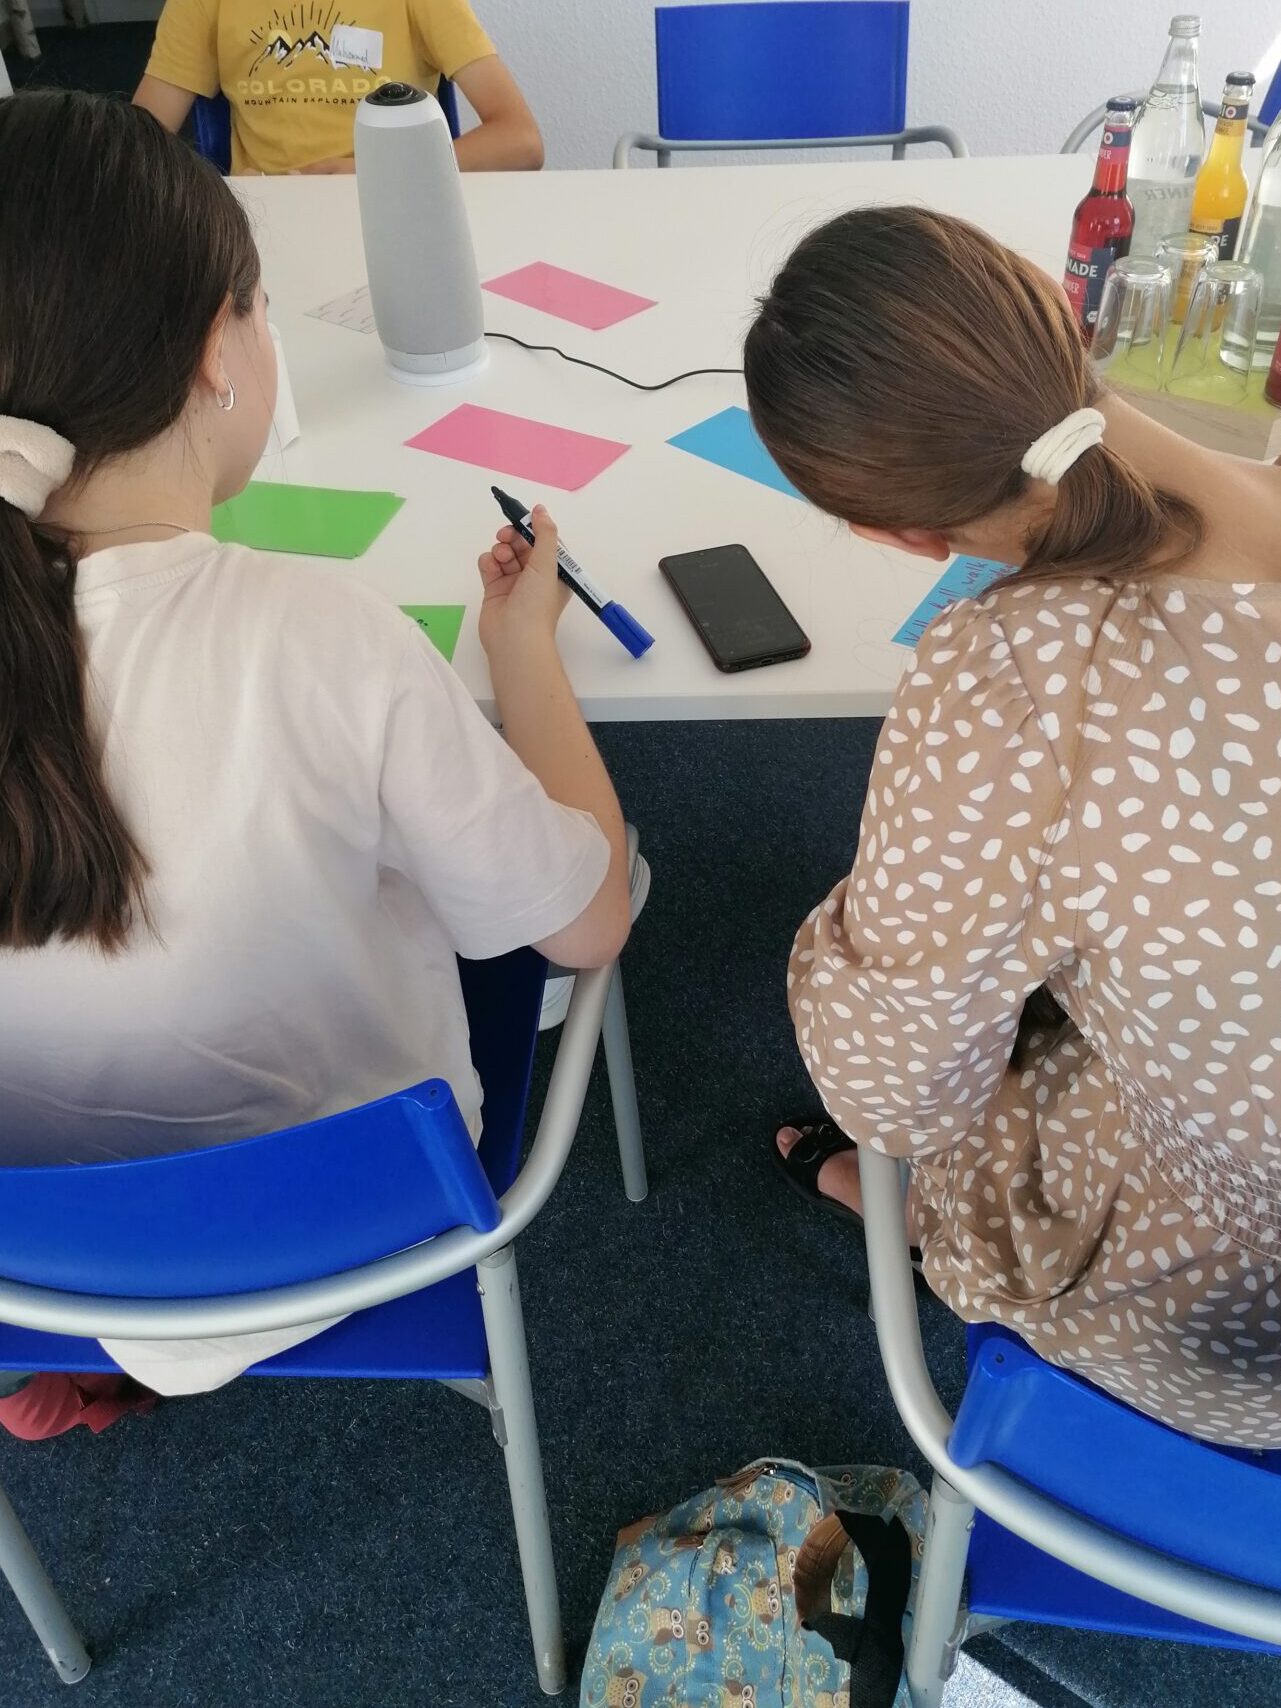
(1013, 76)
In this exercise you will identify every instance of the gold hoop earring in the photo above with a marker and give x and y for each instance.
(230, 402)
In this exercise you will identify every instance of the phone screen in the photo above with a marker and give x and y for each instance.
(739, 617)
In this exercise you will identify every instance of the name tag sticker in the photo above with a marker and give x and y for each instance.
(350, 45)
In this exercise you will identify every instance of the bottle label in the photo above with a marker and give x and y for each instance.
(1223, 232)
(1114, 149)
(1156, 195)
(1083, 279)
(1160, 210)
(1231, 121)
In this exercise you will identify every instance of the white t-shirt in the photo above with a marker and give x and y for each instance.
(328, 820)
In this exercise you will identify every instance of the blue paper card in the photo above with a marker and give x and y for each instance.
(964, 578)
(730, 441)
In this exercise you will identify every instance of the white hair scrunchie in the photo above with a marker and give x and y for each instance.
(1052, 455)
(34, 461)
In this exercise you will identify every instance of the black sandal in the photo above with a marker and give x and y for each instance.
(819, 1140)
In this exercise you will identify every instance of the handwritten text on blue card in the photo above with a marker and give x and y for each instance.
(964, 578)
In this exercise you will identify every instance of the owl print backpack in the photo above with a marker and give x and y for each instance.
(779, 1588)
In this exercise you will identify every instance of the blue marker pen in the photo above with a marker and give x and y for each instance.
(616, 619)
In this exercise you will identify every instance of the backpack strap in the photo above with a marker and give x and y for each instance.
(873, 1645)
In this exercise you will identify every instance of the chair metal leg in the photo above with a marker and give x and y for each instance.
(509, 1363)
(622, 1089)
(936, 1618)
(39, 1599)
(905, 1182)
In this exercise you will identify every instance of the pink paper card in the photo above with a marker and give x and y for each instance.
(512, 444)
(569, 296)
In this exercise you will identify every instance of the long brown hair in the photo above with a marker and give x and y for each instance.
(119, 249)
(900, 366)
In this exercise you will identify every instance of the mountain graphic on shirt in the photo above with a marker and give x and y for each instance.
(305, 27)
(283, 50)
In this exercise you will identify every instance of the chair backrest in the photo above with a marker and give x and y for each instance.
(790, 68)
(1256, 127)
(211, 124)
(447, 95)
(1214, 1507)
(1270, 105)
(305, 1202)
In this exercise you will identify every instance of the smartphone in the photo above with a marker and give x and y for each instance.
(739, 617)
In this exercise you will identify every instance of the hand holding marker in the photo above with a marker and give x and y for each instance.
(616, 619)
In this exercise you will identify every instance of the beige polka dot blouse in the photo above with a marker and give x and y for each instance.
(1080, 784)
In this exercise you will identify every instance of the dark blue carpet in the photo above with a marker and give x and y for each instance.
(347, 1545)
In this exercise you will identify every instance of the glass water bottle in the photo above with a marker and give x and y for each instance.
(1168, 144)
(1261, 244)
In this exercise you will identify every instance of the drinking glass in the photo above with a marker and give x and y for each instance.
(1185, 254)
(1215, 348)
(1134, 314)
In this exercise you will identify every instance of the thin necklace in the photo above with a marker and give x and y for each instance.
(124, 528)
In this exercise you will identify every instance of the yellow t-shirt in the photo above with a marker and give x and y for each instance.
(295, 75)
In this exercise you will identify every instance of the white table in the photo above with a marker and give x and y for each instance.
(703, 242)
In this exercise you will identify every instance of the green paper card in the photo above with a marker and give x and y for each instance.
(440, 623)
(316, 521)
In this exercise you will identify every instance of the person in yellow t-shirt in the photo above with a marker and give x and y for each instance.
(294, 72)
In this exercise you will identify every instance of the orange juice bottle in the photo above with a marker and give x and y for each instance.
(1221, 192)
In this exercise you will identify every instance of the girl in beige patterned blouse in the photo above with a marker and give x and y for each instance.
(1078, 788)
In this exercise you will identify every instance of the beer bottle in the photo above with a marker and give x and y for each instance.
(1219, 198)
(1272, 385)
(1104, 221)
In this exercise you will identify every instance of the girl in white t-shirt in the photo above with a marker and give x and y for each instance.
(248, 815)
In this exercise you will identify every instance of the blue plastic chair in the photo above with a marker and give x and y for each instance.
(1270, 105)
(211, 122)
(1053, 1502)
(386, 1212)
(790, 74)
(447, 95)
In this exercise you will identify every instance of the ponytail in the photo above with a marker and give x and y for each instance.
(69, 866)
(1109, 521)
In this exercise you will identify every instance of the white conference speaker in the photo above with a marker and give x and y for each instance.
(423, 283)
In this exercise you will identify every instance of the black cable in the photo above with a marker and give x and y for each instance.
(582, 362)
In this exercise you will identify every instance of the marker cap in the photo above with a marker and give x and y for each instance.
(624, 626)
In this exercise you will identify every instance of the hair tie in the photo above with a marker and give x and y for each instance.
(34, 461)
(1052, 455)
